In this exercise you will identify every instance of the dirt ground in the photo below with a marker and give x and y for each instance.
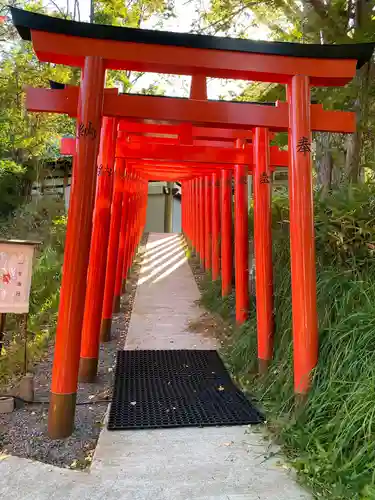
(24, 431)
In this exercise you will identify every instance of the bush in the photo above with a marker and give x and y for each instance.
(12, 184)
(43, 221)
(331, 441)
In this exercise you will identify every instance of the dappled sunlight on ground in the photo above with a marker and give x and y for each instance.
(162, 258)
(161, 243)
(176, 244)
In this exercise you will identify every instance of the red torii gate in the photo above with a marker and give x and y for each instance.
(209, 252)
(56, 100)
(169, 172)
(96, 48)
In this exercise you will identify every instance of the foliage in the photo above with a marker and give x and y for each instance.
(329, 441)
(25, 138)
(41, 221)
(132, 13)
(29, 138)
(338, 159)
(344, 225)
(12, 177)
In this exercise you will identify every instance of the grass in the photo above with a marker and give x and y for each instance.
(331, 442)
(42, 221)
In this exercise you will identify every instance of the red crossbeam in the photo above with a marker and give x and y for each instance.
(186, 154)
(207, 113)
(194, 154)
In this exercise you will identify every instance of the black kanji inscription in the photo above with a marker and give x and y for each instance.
(304, 145)
(86, 131)
(264, 178)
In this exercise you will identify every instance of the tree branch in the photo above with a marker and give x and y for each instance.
(228, 17)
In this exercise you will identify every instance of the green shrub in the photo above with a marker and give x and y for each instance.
(331, 440)
(43, 221)
(12, 184)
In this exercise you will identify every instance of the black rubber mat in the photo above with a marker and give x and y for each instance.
(176, 388)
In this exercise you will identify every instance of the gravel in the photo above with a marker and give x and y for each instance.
(24, 432)
(197, 270)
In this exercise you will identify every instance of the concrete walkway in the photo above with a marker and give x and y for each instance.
(224, 463)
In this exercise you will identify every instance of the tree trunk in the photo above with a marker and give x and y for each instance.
(324, 162)
(353, 157)
(353, 164)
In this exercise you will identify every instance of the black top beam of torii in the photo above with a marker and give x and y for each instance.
(26, 21)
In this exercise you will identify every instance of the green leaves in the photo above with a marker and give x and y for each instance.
(12, 184)
(131, 14)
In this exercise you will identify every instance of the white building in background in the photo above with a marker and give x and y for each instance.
(157, 205)
(56, 181)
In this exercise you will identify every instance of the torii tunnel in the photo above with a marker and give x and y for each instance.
(124, 141)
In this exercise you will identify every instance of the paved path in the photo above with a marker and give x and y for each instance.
(224, 463)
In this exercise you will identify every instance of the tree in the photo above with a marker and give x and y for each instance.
(128, 14)
(313, 21)
(29, 138)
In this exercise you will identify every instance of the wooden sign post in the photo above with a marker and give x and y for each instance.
(16, 261)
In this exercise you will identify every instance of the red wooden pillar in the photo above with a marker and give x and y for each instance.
(98, 254)
(226, 233)
(145, 201)
(302, 244)
(77, 249)
(129, 237)
(134, 223)
(187, 210)
(194, 216)
(197, 216)
(124, 242)
(215, 226)
(113, 246)
(263, 246)
(184, 209)
(183, 202)
(144, 205)
(190, 212)
(208, 220)
(198, 90)
(202, 219)
(241, 243)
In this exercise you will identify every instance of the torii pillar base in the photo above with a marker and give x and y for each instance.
(88, 369)
(61, 415)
